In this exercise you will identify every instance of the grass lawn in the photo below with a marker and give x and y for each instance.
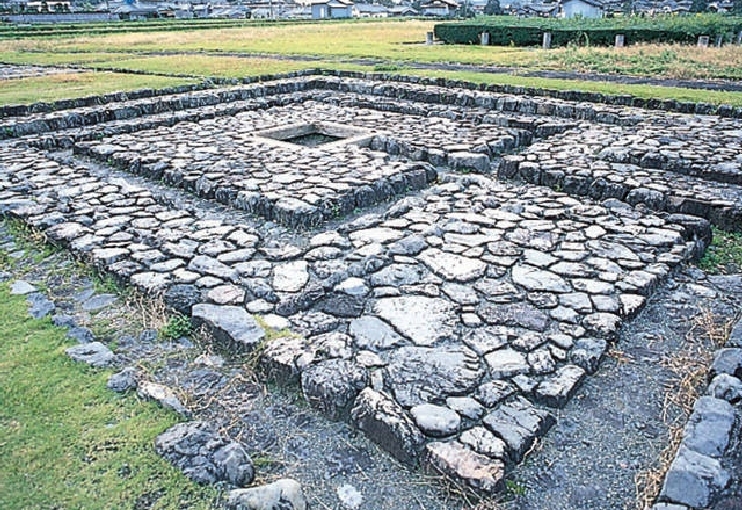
(208, 65)
(645, 91)
(395, 40)
(72, 85)
(66, 442)
(398, 43)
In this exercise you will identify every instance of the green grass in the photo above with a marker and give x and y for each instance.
(725, 253)
(42, 58)
(68, 442)
(610, 88)
(69, 86)
(178, 325)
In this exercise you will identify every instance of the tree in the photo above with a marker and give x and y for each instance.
(492, 8)
(699, 6)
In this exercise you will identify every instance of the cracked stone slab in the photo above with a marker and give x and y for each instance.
(229, 325)
(387, 424)
(425, 321)
(475, 470)
(419, 375)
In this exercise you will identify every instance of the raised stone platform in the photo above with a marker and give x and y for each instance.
(448, 324)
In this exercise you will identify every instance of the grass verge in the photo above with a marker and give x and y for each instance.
(68, 442)
(610, 88)
(68, 86)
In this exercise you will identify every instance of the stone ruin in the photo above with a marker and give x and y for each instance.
(451, 262)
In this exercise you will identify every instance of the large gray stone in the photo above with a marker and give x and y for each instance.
(726, 387)
(290, 276)
(436, 421)
(735, 336)
(587, 353)
(709, 428)
(454, 460)
(555, 391)
(487, 339)
(371, 333)
(505, 363)
(21, 288)
(535, 279)
(423, 320)
(397, 274)
(163, 395)
(410, 245)
(94, 354)
(727, 361)
(469, 162)
(206, 265)
(453, 267)
(693, 479)
(123, 381)
(332, 385)
(516, 314)
(230, 325)
(387, 424)
(39, 306)
(485, 442)
(518, 423)
(420, 375)
(182, 297)
(284, 358)
(197, 449)
(285, 494)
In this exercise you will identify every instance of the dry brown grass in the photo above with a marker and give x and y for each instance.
(662, 60)
(690, 368)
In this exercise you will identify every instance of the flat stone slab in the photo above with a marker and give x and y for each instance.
(465, 466)
(425, 321)
(419, 375)
(94, 354)
(693, 479)
(21, 288)
(229, 324)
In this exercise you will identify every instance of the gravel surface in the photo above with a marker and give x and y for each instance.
(613, 428)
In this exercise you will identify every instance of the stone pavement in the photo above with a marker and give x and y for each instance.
(443, 311)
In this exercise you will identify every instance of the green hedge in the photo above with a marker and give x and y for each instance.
(507, 31)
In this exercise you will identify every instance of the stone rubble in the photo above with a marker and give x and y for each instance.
(204, 455)
(469, 309)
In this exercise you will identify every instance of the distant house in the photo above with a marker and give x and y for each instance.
(439, 8)
(325, 9)
(402, 11)
(582, 8)
(47, 6)
(370, 11)
(137, 11)
(277, 9)
(539, 10)
(723, 6)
